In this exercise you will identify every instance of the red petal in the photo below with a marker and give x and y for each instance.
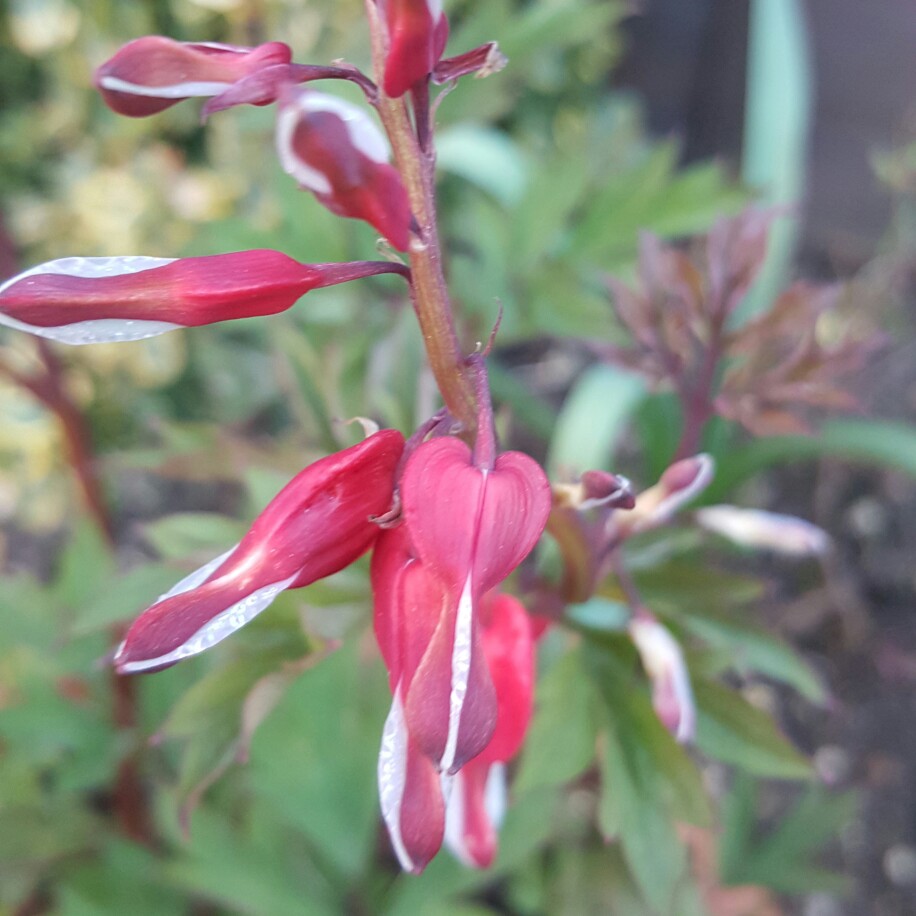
(416, 40)
(408, 604)
(508, 646)
(319, 523)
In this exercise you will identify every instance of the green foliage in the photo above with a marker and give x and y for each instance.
(260, 758)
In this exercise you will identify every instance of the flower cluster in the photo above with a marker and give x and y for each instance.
(448, 519)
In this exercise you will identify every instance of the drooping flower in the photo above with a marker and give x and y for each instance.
(470, 528)
(417, 32)
(334, 150)
(760, 530)
(152, 73)
(478, 798)
(661, 656)
(465, 528)
(97, 300)
(316, 525)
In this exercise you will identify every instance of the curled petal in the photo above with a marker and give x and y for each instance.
(153, 73)
(102, 300)
(755, 528)
(335, 151)
(483, 61)
(319, 523)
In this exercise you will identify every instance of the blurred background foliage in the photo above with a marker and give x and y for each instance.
(548, 177)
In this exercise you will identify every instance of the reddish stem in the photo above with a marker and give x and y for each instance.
(485, 441)
(416, 164)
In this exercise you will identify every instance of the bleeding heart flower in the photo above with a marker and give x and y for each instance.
(153, 73)
(334, 150)
(469, 527)
(417, 32)
(319, 523)
(100, 300)
(465, 529)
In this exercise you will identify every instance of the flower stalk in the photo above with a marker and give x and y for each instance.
(416, 163)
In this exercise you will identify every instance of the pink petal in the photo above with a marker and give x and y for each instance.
(508, 646)
(661, 656)
(409, 602)
(757, 529)
(450, 701)
(466, 520)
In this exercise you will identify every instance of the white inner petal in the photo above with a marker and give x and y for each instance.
(494, 795)
(392, 777)
(96, 330)
(216, 629)
(174, 91)
(290, 162)
(455, 817)
(461, 670)
(686, 724)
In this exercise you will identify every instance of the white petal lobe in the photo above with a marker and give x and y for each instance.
(392, 777)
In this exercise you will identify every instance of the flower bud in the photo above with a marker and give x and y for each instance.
(417, 32)
(319, 523)
(151, 74)
(335, 151)
(661, 656)
(679, 484)
(101, 300)
(761, 530)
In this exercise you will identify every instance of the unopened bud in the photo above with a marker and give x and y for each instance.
(762, 530)
(663, 660)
